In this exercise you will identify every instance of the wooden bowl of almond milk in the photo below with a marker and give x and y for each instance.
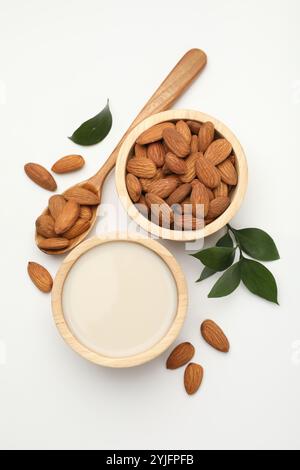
(119, 301)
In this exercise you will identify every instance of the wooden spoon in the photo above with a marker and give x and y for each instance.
(186, 70)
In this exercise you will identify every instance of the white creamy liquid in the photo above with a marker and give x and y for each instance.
(119, 298)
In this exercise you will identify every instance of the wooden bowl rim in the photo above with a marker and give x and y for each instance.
(140, 358)
(140, 219)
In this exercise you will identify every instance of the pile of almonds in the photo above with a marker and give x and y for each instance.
(184, 352)
(67, 217)
(179, 170)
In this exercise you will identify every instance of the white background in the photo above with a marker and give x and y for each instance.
(59, 61)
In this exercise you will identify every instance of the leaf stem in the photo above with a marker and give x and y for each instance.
(231, 230)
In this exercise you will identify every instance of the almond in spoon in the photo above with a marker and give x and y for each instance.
(67, 218)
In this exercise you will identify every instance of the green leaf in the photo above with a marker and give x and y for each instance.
(259, 280)
(207, 272)
(217, 258)
(257, 244)
(95, 129)
(226, 240)
(228, 282)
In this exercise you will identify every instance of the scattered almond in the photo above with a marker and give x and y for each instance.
(39, 275)
(40, 176)
(68, 163)
(214, 336)
(193, 376)
(180, 356)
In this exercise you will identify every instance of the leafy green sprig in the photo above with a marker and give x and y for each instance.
(255, 276)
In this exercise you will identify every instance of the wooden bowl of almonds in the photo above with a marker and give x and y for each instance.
(181, 175)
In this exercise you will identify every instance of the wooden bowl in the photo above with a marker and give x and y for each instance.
(237, 195)
(128, 361)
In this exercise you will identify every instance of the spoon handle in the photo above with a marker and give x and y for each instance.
(184, 72)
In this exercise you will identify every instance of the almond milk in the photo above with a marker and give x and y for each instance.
(119, 298)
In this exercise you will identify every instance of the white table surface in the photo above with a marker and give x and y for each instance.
(59, 61)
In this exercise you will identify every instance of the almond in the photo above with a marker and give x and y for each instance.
(40, 176)
(176, 142)
(207, 172)
(56, 204)
(194, 144)
(210, 193)
(180, 193)
(58, 243)
(141, 167)
(146, 182)
(218, 151)
(217, 206)
(67, 218)
(83, 196)
(161, 212)
(193, 376)
(180, 356)
(140, 151)
(232, 159)
(205, 136)
(163, 187)
(228, 172)
(85, 213)
(221, 190)
(68, 163)
(155, 133)
(175, 165)
(191, 168)
(214, 336)
(200, 200)
(45, 226)
(134, 187)
(194, 126)
(187, 221)
(40, 277)
(156, 153)
(80, 226)
(184, 130)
